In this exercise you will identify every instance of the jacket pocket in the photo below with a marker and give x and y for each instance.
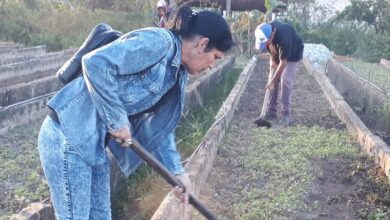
(152, 79)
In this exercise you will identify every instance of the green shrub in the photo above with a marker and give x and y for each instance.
(347, 39)
(59, 25)
(373, 47)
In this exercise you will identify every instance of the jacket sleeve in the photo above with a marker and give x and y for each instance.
(167, 154)
(128, 55)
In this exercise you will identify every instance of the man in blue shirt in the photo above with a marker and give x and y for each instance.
(286, 49)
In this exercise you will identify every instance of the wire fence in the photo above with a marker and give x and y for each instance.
(377, 74)
(364, 89)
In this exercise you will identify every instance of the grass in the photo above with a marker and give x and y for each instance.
(373, 72)
(67, 26)
(242, 60)
(195, 124)
(21, 175)
(383, 113)
(277, 165)
(380, 76)
(376, 188)
(189, 134)
(275, 168)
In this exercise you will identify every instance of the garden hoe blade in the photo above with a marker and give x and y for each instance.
(171, 179)
(261, 122)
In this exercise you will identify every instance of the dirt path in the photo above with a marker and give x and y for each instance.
(311, 170)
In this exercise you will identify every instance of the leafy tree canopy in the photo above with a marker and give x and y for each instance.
(374, 13)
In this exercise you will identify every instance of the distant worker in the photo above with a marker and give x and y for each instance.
(286, 49)
(162, 14)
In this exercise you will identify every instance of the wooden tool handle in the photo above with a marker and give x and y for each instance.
(171, 179)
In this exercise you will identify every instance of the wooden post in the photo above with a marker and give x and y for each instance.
(229, 9)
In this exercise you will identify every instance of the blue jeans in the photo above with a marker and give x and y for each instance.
(78, 190)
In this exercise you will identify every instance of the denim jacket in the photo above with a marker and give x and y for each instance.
(135, 81)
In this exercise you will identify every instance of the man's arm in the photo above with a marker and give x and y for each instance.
(273, 63)
(278, 73)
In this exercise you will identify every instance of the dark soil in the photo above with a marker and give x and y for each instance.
(376, 119)
(341, 187)
(373, 124)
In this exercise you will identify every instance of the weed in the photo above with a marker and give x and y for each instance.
(377, 214)
(21, 175)
(279, 167)
(67, 26)
(189, 134)
(373, 72)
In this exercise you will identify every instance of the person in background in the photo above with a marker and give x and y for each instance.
(285, 47)
(132, 88)
(162, 14)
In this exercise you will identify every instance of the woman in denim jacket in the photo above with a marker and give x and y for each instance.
(133, 87)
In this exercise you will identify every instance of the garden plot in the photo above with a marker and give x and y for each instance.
(373, 72)
(311, 170)
(146, 189)
(21, 176)
(371, 102)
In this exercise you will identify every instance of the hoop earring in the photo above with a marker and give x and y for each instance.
(199, 53)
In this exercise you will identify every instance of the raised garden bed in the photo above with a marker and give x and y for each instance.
(145, 189)
(313, 170)
(364, 94)
(376, 73)
(24, 182)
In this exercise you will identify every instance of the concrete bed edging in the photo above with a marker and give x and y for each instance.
(359, 93)
(23, 112)
(12, 53)
(36, 211)
(200, 163)
(369, 93)
(371, 143)
(196, 91)
(34, 68)
(44, 210)
(10, 116)
(24, 91)
(5, 48)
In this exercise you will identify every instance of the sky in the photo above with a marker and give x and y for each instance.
(338, 4)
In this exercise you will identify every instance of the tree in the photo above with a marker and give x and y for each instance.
(308, 12)
(272, 6)
(374, 13)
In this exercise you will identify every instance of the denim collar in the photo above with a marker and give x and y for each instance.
(177, 58)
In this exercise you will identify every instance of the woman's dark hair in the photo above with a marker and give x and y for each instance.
(188, 23)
